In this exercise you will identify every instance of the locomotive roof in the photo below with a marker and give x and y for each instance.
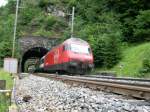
(76, 40)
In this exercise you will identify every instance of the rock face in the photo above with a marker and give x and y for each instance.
(53, 96)
(55, 11)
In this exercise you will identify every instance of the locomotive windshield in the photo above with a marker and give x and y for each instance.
(80, 49)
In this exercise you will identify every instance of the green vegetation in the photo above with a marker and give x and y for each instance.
(6, 76)
(4, 102)
(141, 31)
(5, 97)
(105, 24)
(135, 61)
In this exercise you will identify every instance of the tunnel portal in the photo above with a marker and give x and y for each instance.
(32, 49)
(31, 56)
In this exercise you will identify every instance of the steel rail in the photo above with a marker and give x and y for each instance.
(119, 78)
(132, 82)
(130, 89)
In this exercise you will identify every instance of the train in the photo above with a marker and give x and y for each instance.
(73, 56)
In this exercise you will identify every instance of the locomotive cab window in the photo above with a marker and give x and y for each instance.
(80, 49)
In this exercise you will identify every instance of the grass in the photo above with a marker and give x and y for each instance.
(4, 97)
(132, 60)
(4, 102)
(6, 76)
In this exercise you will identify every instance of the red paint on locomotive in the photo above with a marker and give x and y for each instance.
(74, 56)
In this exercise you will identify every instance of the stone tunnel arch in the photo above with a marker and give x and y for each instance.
(33, 53)
(34, 48)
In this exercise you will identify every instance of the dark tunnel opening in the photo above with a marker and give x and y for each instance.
(32, 54)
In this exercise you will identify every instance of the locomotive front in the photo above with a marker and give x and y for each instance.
(80, 56)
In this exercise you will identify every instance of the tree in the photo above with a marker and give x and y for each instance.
(112, 52)
(128, 11)
(5, 49)
(141, 30)
(104, 37)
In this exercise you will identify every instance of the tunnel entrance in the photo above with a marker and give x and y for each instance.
(30, 58)
(32, 48)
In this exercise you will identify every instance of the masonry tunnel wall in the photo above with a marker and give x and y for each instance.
(33, 53)
(34, 47)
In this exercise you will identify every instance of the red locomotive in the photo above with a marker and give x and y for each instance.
(73, 56)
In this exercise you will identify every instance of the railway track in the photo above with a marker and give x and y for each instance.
(125, 86)
(119, 78)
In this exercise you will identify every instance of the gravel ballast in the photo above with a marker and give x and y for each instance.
(38, 94)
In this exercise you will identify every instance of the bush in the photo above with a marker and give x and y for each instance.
(112, 53)
(98, 46)
(106, 51)
(27, 14)
(42, 32)
(145, 66)
(54, 23)
(49, 22)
